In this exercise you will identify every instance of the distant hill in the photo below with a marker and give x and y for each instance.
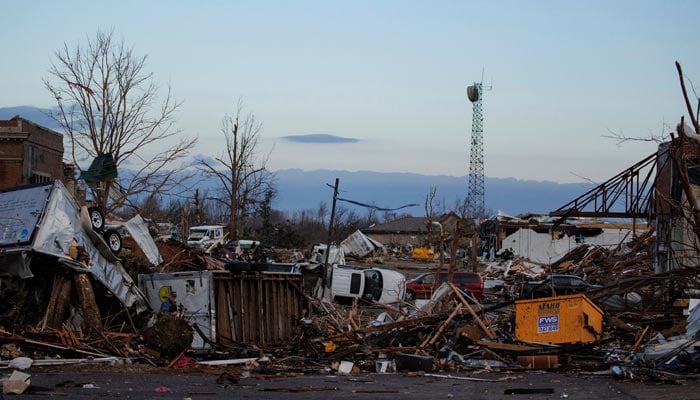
(303, 190)
(300, 190)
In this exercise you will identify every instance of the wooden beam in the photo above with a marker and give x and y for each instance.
(483, 326)
(442, 328)
(505, 346)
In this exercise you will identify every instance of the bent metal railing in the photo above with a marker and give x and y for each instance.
(626, 195)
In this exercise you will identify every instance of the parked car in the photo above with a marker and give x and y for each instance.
(368, 284)
(423, 285)
(555, 285)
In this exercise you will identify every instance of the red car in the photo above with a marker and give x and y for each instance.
(423, 285)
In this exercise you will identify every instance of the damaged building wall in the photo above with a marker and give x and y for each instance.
(684, 243)
(400, 232)
(29, 153)
(540, 247)
(677, 244)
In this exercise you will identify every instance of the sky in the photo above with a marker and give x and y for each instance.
(390, 77)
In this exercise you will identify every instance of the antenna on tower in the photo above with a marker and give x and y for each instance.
(476, 203)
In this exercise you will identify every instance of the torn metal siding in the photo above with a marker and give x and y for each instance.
(50, 223)
(262, 308)
(138, 229)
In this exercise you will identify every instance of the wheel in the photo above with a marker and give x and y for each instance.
(410, 295)
(97, 220)
(114, 240)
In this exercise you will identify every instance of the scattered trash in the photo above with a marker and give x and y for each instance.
(20, 363)
(345, 367)
(529, 391)
(301, 389)
(17, 383)
(539, 362)
(384, 366)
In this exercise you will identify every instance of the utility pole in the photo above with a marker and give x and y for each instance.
(330, 236)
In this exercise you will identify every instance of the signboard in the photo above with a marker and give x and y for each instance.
(549, 323)
(20, 211)
(548, 318)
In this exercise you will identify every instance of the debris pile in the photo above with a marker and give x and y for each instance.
(265, 316)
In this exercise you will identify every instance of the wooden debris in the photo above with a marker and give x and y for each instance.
(92, 320)
(483, 326)
(443, 326)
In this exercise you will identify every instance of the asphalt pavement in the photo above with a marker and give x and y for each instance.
(100, 383)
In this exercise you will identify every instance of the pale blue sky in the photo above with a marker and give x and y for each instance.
(393, 74)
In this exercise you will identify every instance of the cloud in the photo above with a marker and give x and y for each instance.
(319, 138)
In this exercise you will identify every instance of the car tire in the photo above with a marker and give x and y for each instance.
(97, 219)
(114, 240)
(410, 295)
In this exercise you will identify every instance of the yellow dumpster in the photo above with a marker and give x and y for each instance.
(422, 253)
(563, 319)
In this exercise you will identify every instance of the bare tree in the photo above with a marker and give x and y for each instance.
(431, 204)
(243, 178)
(108, 103)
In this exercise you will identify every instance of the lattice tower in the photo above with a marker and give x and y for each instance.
(476, 203)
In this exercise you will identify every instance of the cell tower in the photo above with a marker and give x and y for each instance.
(476, 204)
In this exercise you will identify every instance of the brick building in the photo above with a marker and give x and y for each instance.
(29, 153)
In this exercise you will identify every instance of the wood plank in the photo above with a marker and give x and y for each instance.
(506, 346)
(431, 341)
(407, 323)
(483, 326)
(92, 320)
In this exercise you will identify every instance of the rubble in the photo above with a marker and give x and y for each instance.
(450, 332)
(70, 300)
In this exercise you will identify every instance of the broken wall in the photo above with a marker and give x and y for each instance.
(540, 247)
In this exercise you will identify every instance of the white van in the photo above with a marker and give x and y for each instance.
(382, 285)
(202, 237)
